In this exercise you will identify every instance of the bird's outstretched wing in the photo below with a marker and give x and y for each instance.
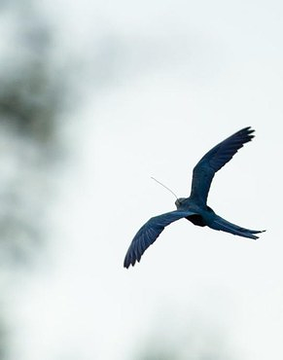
(213, 161)
(149, 232)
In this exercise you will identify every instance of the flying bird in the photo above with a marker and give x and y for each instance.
(194, 208)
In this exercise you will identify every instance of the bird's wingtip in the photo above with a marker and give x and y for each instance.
(126, 263)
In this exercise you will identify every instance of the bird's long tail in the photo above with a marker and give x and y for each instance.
(219, 223)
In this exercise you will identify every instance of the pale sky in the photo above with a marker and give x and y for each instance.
(161, 83)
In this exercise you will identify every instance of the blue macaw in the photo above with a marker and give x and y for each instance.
(194, 208)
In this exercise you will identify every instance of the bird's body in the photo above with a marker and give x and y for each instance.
(194, 208)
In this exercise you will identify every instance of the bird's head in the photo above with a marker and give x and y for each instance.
(179, 202)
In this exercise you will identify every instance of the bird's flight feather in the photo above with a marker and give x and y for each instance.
(214, 160)
(149, 232)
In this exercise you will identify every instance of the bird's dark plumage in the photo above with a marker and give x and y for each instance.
(149, 232)
(194, 208)
(214, 160)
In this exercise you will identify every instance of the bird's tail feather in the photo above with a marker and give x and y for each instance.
(224, 225)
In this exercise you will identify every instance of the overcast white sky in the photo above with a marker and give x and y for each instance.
(163, 82)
